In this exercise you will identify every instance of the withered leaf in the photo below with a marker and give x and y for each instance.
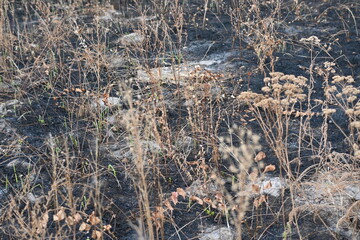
(174, 197)
(70, 221)
(107, 227)
(93, 219)
(253, 175)
(256, 188)
(210, 202)
(219, 197)
(260, 156)
(60, 215)
(268, 185)
(77, 218)
(221, 207)
(43, 223)
(181, 192)
(258, 201)
(269, 168)
(168, 205)
(96, 235)
(84, 227)
(198, 200)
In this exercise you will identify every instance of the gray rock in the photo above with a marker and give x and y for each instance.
(132, 39)
(9, 106)
(216, 233)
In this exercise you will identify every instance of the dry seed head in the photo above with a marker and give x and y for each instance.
(329, 64)
(300, 114)
(293, 87)
(285, 102)
(350, 90)
(339, 95)
(266, 89)
(330, 89)
(318, 101)
(329, 67)
(250, 97)
(276, 86)
(338, 79)
(351, 99)
(267, 103)
(289, 93)
(300, 97)
(349, 112)
(288, 112)
(355, 124)
(328, 111)
(314, 40)
(267, 80)
(349, 79)
(276, 74)
(293, 100)
(301, 80)
(357, 106)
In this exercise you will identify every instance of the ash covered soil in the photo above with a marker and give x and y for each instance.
(77, 104)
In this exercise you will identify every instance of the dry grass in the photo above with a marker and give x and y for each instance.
(103, 130)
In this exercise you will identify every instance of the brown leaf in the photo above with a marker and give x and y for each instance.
(79, 90)
(106, 99)
(60, 215)
(174, 197)
(181, 192)
(221, 207)
(193, 162)
(93, 219)
(256, 188)
(107, 227)
(258, 201)
(268, 185)
(262, 198)
(158, 217)
(96, 235)
(260, 156)
(77, 218)
(70, 221)
(84, 227)
(254, 175)
(210, 202)
(198, 200)
(43, 223)
(269, 168)
(158, 214)
(168, 205)
(219, 197)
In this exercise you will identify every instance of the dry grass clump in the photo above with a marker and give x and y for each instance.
(242, 158)
(76, 67)
(332, 195)
(281, 99)
(258, 28)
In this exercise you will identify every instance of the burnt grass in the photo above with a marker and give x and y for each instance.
(46, 113)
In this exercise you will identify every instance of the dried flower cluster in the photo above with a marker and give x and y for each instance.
(280, 90)
(203, 75)
(313, 40)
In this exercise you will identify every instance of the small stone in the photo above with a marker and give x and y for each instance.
(216, 233)
(132, 39)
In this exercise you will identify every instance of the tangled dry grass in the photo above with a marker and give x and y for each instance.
(111, 131)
